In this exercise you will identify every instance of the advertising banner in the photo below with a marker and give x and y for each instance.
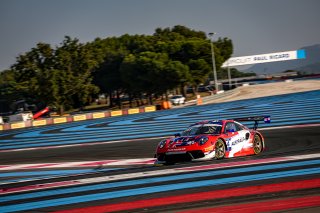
(264, 58)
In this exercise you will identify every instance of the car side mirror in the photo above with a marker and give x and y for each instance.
(177, 135)
(247, 135)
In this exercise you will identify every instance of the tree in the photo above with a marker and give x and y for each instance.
(61, 77)
(178, 32)
(199, 70)
(234, 73)
(223, 49)
(193, 49)
(151, 73)
(107, 75)
(32, 73)
(7, 85)
(72, 75)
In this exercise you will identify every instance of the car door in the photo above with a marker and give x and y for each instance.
(235, 138)
(245, 134)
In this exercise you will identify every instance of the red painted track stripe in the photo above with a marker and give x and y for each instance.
(41, 165)
(210, 195)
(265, 206)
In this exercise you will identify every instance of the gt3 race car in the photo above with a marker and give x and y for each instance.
(213, 139)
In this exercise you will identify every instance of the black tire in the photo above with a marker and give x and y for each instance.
(168, 163)
(220, 149)
(257, 145)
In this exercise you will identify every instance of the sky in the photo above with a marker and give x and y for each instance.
(254, 26)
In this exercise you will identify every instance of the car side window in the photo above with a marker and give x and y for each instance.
(230, 127)
(238, 127)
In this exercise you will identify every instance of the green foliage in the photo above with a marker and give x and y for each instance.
(151, 73)
(223, 74)
(8, 86)
(178, 32)
(71, 74)
(72, 79)
(224, 49)
(32, 73)
(60, 77)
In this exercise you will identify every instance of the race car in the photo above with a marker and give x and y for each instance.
(215, 139)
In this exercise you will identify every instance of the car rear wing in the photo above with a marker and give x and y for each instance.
(256, 119)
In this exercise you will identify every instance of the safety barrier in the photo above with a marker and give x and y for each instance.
(108, 113)
(75, 118)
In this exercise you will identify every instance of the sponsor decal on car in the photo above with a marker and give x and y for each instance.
(239, 140)
(176, 149)
(210, 148)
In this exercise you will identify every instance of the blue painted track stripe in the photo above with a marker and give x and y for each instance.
(41, 175)
(156, 133)
(150, 127)
(77, 133)
(83, 132)
(145, 135)
(156, 180)
(153, 189)
(226, 114)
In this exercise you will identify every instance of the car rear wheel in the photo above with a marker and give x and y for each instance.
(257, 144)
(220, 149)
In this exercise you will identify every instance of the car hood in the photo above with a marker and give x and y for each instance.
(186, 140)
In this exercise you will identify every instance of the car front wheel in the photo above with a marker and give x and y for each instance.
(220, 149)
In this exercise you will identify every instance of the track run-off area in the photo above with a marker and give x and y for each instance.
(106, 165)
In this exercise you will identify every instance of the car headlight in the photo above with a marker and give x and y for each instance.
(162, 144)
(203, 140)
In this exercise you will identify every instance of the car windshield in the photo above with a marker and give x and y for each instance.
(202, 129)
(177, 96)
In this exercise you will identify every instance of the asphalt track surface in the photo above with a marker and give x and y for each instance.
(285, 177)
(297, 141)
(279, 142)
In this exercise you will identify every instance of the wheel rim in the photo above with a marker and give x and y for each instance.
(257, 144)
(220, 150)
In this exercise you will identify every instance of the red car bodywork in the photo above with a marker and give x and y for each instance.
(227, 139)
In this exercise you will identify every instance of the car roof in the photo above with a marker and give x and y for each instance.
(220, 122)
(217, 122)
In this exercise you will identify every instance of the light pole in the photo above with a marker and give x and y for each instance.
(229, 76)
(213, 62)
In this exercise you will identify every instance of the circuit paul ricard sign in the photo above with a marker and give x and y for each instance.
(265, 58)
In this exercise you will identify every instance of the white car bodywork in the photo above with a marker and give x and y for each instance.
(177, 99)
